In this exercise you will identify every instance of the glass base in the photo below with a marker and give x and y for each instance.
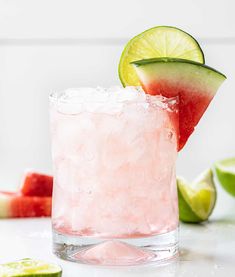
(116, 252)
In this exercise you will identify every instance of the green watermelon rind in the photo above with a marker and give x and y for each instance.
(175, 60)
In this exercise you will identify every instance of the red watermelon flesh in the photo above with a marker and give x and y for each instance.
(37, 184)
(195, 84)
(13, 204)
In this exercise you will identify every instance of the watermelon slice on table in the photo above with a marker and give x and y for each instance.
(37, 184)
(194, 83)
(13, 204)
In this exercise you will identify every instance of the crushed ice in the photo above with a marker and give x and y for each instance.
(111, 100)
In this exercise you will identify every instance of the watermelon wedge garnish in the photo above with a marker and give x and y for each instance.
(194, 83)
(13, 204)
(37, 184)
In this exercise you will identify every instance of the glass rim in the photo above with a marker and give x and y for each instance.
(158, 100)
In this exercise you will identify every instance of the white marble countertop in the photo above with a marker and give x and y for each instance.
(205, 250)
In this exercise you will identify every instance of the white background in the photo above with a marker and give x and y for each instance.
(53, 44)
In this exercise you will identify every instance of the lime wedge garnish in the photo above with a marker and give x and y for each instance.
(160, 41)
(225, 171)
(196, 199)
(28, 267)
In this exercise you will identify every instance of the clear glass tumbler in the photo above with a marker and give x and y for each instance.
(114, 196)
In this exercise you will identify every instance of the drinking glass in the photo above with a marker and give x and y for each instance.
(114, 196)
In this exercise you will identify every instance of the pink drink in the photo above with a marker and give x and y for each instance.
(114, 156)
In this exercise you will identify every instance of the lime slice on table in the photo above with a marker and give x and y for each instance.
(28, 267)
(196, 199)
(225, 171)
(160, 41)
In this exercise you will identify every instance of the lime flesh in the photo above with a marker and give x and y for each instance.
(225, 171)
(196, 199)
(160, 41)
(30, 268)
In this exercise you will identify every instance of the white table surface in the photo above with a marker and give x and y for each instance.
(205, 250)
